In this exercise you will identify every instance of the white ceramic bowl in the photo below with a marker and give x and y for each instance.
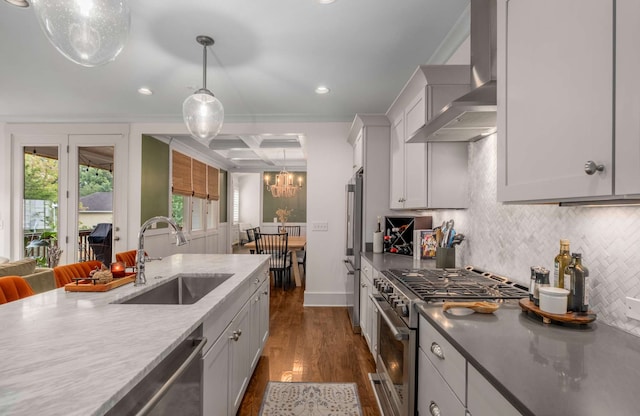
(553, 300)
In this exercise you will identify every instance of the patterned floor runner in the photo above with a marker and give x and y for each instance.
(310, 399)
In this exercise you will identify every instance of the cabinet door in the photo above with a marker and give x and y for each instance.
(397, 164)
(484, 399)
(239, 356)
(627, 98)
(415, 113)
(555, 75)
(264, 312)
(215, 379)
(255, 345)
(364, 317)
(372, 314)
(415, 175)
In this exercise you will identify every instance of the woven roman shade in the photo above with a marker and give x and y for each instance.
(181, 174)
(213, 183)
(199, 174)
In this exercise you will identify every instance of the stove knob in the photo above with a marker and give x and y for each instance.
(388, 289)
(404, 310)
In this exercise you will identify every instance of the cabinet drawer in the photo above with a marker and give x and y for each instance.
(367, 269)
(433, 389)
(449, 362)
(484, 399)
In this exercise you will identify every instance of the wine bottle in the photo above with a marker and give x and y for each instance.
(560, 263)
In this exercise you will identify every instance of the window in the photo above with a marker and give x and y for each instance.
(197, 214)
(177, 210)
(212, 215)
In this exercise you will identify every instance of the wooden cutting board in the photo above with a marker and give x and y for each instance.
(100, 287)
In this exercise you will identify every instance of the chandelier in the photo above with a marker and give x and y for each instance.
(284, 186)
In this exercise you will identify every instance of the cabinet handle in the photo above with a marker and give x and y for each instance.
(590, 167)
(266, 292)
(256, 281)
(437, 350)
(434, 409)
(236, 335)
(363, 285)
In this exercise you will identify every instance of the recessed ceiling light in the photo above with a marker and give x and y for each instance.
(145, 91)
(322, 90)
(325, 1)
(19, 3)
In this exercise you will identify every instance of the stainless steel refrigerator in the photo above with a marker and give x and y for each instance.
(354, 247)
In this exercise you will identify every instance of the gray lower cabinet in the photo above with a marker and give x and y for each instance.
(449, 385)
(435, 396)
(484, 399)
(215, 397)
(229, 363)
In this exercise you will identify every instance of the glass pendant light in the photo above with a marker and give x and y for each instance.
(88, 32)
(202, 112)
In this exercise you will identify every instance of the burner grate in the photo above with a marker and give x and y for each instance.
(430, 284)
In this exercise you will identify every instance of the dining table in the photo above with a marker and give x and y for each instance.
(294, 244)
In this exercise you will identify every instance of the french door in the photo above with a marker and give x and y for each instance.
(67, 188)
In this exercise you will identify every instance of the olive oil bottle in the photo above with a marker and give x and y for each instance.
(562, 260)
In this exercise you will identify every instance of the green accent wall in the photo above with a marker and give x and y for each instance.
(298, 202)
(154, 192)
(223, 196)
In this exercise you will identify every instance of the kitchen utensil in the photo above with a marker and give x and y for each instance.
(457, 239)
(439, 236)
(481, 307)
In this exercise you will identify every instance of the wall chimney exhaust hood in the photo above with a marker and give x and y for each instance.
(473, 115)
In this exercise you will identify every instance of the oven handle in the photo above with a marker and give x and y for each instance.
(400, 333)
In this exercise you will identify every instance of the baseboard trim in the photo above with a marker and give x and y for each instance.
(318, 299)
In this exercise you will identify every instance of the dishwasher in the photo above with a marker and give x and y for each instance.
(173, 387)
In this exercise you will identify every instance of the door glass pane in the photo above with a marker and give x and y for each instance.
(95, 203)
(40, 213)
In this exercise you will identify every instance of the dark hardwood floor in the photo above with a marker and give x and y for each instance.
(310, 344)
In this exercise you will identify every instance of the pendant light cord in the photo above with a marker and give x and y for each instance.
(204, 66)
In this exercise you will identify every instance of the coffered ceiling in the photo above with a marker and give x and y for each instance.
(267, 60)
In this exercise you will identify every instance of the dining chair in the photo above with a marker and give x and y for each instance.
(280, 262)
(14, 288)
(292, 230)
(254, 232)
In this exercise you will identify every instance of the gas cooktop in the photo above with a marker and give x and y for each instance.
(436, 284)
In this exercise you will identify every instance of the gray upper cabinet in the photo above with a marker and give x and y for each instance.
(627, 148)
(555, 99)
(435, 174)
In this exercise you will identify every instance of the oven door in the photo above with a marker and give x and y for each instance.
(395, 361)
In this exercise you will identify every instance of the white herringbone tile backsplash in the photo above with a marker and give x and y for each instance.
(508, 239)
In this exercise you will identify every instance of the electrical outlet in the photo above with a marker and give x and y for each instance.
(320, 226)
(633, 308)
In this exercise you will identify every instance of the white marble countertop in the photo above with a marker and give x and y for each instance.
(77, 353)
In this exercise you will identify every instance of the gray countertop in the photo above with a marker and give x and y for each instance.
(77, 353)
(542, 369)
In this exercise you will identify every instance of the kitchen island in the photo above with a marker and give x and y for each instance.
(539, 369)
(79, 353)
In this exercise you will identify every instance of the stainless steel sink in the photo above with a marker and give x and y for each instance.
(185, 289)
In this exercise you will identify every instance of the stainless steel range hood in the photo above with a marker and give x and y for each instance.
(472, 116)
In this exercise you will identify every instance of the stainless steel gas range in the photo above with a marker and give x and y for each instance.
(399, 291)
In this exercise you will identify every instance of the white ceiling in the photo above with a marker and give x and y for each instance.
(268, 58)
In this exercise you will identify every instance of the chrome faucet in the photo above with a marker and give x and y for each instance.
(140, 258)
